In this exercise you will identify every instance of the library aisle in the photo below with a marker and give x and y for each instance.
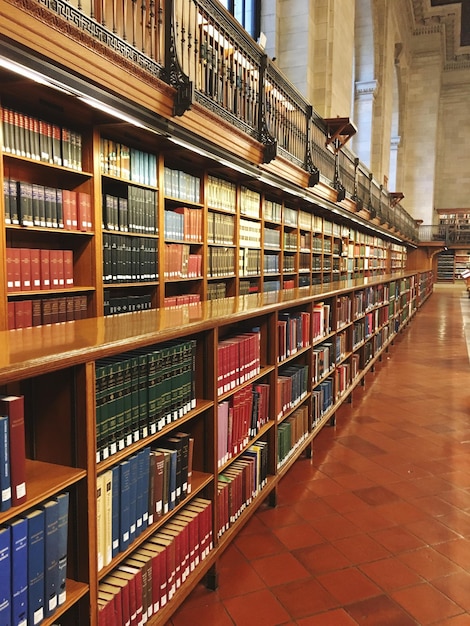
(375, 529)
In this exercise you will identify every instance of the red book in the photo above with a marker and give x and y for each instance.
(13, 407)
(123, 585)
(13, 269)
(56, 265)
(23, 313)
(84, 211)
(45, 259)
(68, 267)
(11, 315)
(25, 269)
(35, 268)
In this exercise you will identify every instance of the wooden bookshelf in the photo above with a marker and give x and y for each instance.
(356, 321)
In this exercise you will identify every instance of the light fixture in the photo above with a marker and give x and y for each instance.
(100, 106)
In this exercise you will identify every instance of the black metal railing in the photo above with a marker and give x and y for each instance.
(448, 234)
(198, 48)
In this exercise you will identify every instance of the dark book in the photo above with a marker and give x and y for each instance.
(5, 575)
(51, 556)
(63, 518)
(36, 589)
(143, 477)
(19, 571)
(125, 512)
(25, 203)
(115, 515)
(13, 406)
(176, 443)
(5, 479)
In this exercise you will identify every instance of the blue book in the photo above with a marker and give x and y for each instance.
(133, 514)
(51, 556)
(5, 577)
(63, 519)
(19, 572)
(116, 504)
(143, 463)
(35, 566)
(124, 521)
(5, 478)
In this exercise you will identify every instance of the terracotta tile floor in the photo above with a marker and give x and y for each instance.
(375, 529)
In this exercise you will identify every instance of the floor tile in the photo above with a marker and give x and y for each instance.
(322, 558)
(429, 563)
(279, 569)
(361, 549)
(426, 603)
(348, 585)
(398, 539)
(304, 598)
(391, 574)
(457, 587)
(296, 536)
(379, 610)
(335, 617)
(260, 608)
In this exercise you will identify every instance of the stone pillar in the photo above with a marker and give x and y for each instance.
(394, 148)
(363, 115)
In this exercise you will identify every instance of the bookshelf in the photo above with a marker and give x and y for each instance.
(300, 352)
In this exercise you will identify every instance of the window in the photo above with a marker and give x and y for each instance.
(247, 12)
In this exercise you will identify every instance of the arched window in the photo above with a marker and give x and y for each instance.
(247, 12)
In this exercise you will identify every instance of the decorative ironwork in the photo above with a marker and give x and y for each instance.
(266, 138)
(175, 75)
(93, 34)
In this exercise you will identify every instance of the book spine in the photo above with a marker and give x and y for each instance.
(51, 556)
(63, 518)
(19, 570)
(5, 575)
(13, 406)
(5, 479)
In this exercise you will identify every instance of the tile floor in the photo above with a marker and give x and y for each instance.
(374, 530)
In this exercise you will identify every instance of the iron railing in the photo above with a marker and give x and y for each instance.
(198, 48)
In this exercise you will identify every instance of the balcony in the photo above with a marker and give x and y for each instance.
(198, 59)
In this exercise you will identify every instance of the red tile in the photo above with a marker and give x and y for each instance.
(390, 574)
(369, 520)
(348, 585)
(431, 531)
(201, 614)
(313, 508)
(433, 505)
(336, 617)
(377, 495)
(254, 545)
(334, 527)
(379, 610)
(324, 486)
(361, 549)
(298, 536)
(322, 558)
(426, 603)
(303, 598)
(278, 516)
(237, 579)
(279, 569)
(401, 512)
(429, 563)
(260, 607)
(398, 539)
(457, 587)
(457, 550)
(458, 620)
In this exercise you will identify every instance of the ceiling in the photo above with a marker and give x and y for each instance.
(453, 17)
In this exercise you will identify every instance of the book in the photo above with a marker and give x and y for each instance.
(19, 571)
(5, 479)
(5, 575)
(62, 536)
(51, 556)
(115, 504)
(36, 589)
(124, 519)
(13, 406)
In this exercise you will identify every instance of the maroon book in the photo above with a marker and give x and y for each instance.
(13, 406)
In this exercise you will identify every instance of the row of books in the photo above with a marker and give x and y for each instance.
(181, 185)
(240, 483)
(216, 291)
(249, 202)
(129, 259)
(323, 359)
(272, 238)
(270, 263)
(33, 563)
(144, 582)
(32, 204)
(341, 346)
(322, 399)
(31, 269)
(40, 140)
(249, 262)
(239, 419)
(288, 264)
(180, 262)
(220, 228)
(292, 387)
(291, 433)
(343, 311)
(120, 161)
(114, 305)
(238, 360)
(183, 224)
(293, 331)
(272, 211)
(290, 241)
(136, 213)
(187, 299)
(41, 311)
(139, 392)
(135, 493)
(221, 194)
(249, 233)
(221, 261)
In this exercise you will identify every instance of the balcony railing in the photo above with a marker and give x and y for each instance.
(450, 235)
(198, 48)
